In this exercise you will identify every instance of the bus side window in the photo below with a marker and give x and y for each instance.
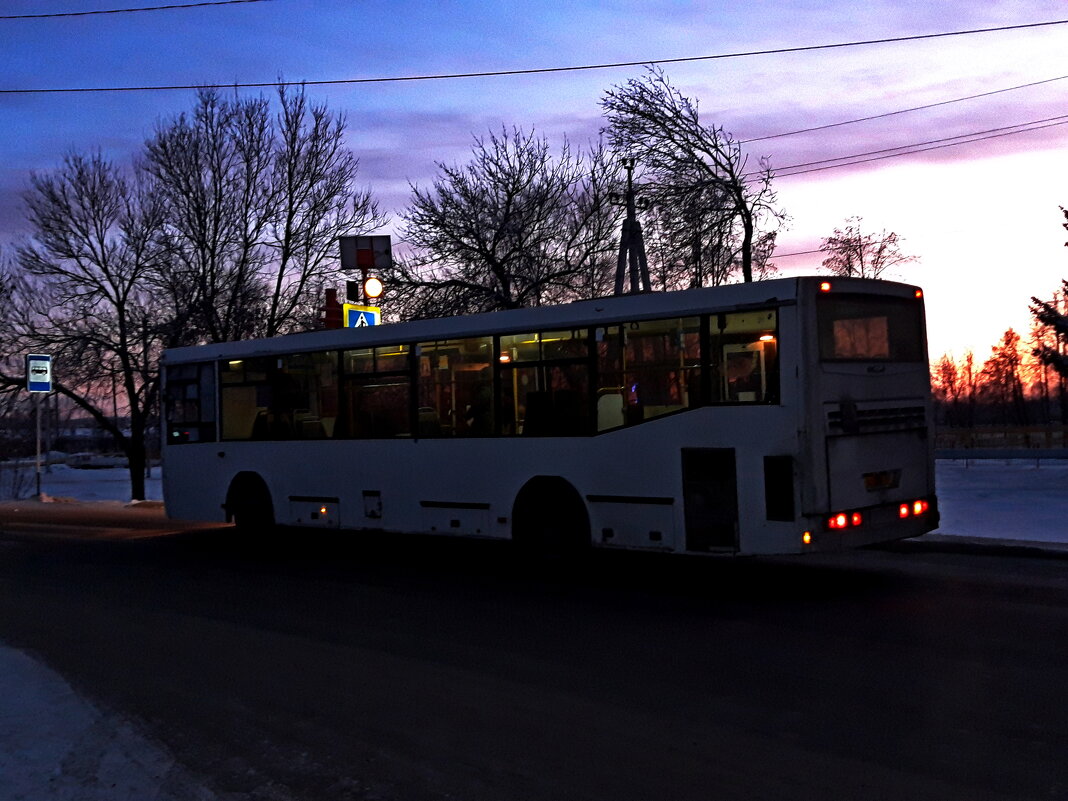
(375, 393)
(545, 384)
(654, 366)
(744, 356)
(190, 403)
(455, 388)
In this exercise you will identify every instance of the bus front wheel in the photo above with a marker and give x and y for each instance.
(248, 504)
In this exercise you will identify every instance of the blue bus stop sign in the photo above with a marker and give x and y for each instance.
(38, 373)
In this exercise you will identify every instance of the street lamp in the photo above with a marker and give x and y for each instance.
(631, 242)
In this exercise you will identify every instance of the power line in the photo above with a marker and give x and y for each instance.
(936, 141)
(903, 110)
(795, 253)
(919, 149)
(129, 10)
(542, 70)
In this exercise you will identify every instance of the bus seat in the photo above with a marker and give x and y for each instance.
(610, 411)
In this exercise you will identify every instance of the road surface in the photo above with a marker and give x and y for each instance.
(317, 666)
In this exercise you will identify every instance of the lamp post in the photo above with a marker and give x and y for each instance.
(631, 242)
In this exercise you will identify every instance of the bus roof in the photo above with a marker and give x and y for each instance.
(582, 313)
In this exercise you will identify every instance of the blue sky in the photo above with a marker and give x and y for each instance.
(982, 218)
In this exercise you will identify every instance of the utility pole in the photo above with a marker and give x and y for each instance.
(631, 242)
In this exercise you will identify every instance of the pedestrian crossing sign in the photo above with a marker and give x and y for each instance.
(361, 316)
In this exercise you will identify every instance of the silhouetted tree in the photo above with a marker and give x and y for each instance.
(852, 252)
(711, 211)
(513, 227)
(253, 205)
(1002, 379)
(83, 295)
(225, 229)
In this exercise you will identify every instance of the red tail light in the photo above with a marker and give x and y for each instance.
(845, 520)
(914, 509)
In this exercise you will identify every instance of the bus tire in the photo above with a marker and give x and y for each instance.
(248, 504)
(549, 520)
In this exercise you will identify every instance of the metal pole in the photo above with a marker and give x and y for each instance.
(37, 408)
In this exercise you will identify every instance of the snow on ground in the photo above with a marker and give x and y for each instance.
(1018, 499)
(99, 484)
(55, 746)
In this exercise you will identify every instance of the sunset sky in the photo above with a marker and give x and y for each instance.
(981, 218)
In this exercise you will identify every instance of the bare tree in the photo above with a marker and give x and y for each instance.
(212, 173)
(82, 295)
(514, 227)
(314, 200)
(254, 204)
(852, 252)
(712, 211)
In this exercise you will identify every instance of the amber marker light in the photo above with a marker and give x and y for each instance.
(919, 293)
(322, 510)
(825, 286)
(806, 538)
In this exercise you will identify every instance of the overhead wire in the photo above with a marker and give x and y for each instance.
(976, 136)
(170, 7)
(902, 111)
(543, 70)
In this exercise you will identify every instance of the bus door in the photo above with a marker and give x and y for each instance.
(710, 499)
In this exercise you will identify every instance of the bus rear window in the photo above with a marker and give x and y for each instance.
(870, 328)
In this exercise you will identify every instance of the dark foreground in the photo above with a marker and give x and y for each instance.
(320, 668)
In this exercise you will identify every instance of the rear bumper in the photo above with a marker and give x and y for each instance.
(881, 523)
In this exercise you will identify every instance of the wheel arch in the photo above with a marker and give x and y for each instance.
(550, 500)
(248, 491)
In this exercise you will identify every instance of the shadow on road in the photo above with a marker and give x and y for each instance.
(467, 565)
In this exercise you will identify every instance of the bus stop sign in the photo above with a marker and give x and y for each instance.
(38, 372)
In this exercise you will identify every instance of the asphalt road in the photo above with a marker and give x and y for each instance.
(323, 667)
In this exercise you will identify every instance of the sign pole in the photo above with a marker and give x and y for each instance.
(38, 380)
(37, 408)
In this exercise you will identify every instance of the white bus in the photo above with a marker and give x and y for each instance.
(780, 416)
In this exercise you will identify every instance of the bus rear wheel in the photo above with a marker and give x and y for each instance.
(248, 505)
(550, 521)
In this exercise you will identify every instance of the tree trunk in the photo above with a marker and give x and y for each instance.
(135, 457)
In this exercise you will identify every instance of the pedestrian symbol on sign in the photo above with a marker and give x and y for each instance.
(361, 316)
